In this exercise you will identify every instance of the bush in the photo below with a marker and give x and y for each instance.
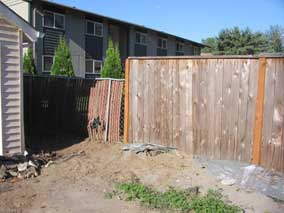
(62, 64)
(28, 62)
(112, 66)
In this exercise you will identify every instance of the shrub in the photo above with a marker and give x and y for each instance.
(28, 62)
(62, 64)
(112, 66)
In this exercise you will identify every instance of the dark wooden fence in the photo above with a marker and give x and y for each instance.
(58, 105)
(219, 107)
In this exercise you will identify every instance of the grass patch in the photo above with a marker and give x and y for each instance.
(174, 199)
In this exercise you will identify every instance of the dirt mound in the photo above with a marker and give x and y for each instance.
(77, 181)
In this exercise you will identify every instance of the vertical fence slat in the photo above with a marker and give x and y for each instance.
(259, 113)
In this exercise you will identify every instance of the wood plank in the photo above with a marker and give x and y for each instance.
(134, 100)
(218, 103)
(259, 113)
(226, 113)
(150, 101)
(140, 101)
(157, 101)
(195, 107)
(233, 135)
(147, 101)
(189, 103)
(169, 100)
(176, 103)
(251, 107)
(183, 104)
(278, 117)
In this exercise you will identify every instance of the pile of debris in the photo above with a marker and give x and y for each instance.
(24, 166)
(149, 149)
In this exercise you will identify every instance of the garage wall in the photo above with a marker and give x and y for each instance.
(11, 140)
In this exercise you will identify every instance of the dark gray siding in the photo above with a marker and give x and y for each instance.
(161, 52)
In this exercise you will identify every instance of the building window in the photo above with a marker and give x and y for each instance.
(94, 28)
(141, 38)
(162, 43)
(54, 20)
(93, 66)
(47, 61)
(179, 47)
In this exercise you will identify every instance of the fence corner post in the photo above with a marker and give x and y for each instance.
(126, 102)
(258, 121)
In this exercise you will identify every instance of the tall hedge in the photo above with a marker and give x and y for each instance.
(28, 62)
(62, 64)
(112, 66)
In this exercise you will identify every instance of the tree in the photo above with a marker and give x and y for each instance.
(62, 64)
(28, 62)
(112, 66)
(211, 45)
(237, 42)
(275, 35)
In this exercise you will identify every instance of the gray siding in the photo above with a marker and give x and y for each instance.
(152, 43)
(12, 137)
(75, 35)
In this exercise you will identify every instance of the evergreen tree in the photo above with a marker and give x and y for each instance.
(275, 35)
(112, 66)
(62, 64)
(28, 62)
(237, 42)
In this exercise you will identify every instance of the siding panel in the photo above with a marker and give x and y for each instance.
(10, 89)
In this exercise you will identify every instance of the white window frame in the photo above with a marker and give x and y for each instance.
(144, 34)
(180, 43)
(94, 61)
(54, 13)
(163, 39)
(94, 23)
(46, 71)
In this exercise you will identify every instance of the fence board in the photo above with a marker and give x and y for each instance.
(56, 105)
(206, 106)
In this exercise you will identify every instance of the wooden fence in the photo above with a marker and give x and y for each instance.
(55, 105)
(220, 107)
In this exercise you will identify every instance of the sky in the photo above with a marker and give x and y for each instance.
(191, 19)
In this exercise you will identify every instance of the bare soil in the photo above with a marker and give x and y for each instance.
(78, 183)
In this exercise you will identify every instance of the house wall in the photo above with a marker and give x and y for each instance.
(21, 7)
(74, 33)
(11, 107)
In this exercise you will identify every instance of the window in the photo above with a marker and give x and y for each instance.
(162, 43)
(93, 66)
(94, 28)
(47, 62)
(141, 38)
(54, 20)
(179, 47)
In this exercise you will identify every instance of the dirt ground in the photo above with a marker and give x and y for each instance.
(78, 184)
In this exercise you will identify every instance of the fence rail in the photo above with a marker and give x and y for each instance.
(220, 107)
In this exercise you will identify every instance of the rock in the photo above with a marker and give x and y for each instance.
(3, 173)
(228, 182)
(31, 173)
(12, 173)
(22, 166)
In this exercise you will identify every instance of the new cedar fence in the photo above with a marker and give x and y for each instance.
(57, 105)
(219, 107)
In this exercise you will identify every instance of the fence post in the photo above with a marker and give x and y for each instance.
(126, 102)
(108, 110)
(258, 122)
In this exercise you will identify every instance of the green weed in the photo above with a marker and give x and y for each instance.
(174, 199)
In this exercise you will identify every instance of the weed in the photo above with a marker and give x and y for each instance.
(108, 195)
(174, 199)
